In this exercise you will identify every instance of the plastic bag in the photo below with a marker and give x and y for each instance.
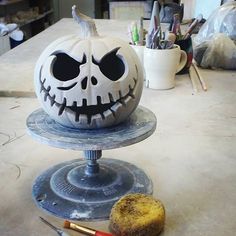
(222, 20)
(214, 46)
(219, 52)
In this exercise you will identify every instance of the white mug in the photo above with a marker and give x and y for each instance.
(139, 49)
(161, 65)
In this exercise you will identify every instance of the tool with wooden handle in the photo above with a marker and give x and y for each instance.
(84, 230)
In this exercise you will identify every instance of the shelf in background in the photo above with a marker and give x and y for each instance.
(9, 2)
(37, 18)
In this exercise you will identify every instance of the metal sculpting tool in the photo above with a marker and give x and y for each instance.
(59, 231)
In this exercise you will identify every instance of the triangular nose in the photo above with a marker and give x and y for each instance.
(94, 80)
(84, 82)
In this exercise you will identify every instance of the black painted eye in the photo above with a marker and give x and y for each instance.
(111, 65)
(65, 67)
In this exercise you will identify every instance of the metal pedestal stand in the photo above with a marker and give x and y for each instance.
(87, 189)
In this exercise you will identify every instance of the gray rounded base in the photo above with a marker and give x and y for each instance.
(87, 189)
(139, 126)
(65, 190)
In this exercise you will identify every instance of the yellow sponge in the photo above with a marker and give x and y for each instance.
(137, 215)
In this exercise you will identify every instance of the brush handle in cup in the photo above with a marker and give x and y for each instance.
(183, 61)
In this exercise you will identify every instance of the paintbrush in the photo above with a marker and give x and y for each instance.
(84, 230)
(202, 81)
(193, 26)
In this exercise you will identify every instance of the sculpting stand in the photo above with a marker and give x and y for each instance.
(85, 189)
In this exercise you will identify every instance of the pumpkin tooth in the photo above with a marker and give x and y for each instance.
(113, 112)
(127, 99)
(52, 102)
(136, 68)
(42, 83)
(45, 96)
(60, 111)
(89, 119)
(62, 108)
(122, 102)
(84, 102)
(57, 105)
(109, 115)
(83, 119)
(134, 89)
(135, 82)
(74, 105)
(76, 116)
(99, 100)
(103, 117)
(52, 99)
(116, 107)
(48, 88)
(120, 94)
(111, 97)
(131, 94)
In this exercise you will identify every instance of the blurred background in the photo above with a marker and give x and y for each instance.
(33, 16)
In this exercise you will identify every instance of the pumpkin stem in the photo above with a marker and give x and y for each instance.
(88, 27)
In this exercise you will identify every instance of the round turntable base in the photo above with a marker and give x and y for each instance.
(86, 189)
(66, 191)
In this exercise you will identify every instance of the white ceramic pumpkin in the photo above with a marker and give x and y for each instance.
(87, 81)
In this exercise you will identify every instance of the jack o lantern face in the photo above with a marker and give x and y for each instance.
(90, 83)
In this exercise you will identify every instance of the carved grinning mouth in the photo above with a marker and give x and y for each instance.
(90, 110)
